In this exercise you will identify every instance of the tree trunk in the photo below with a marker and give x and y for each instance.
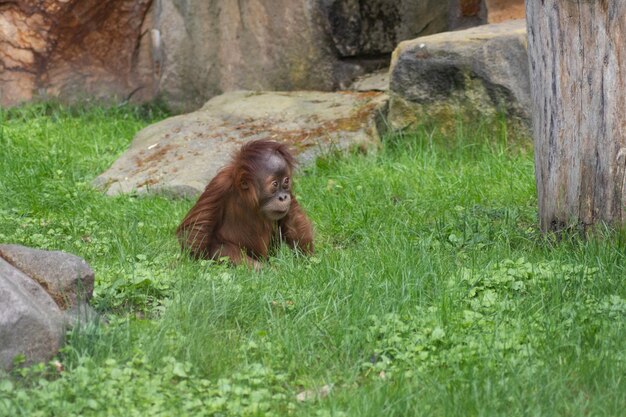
(577, 52)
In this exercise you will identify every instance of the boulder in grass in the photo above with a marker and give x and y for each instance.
(67, 278)
(41, 294)
(180, 155)
(31, 323)
(482, 70)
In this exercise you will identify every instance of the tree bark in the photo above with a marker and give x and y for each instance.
(577, 55)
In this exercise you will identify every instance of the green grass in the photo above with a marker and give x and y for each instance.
(431, 293)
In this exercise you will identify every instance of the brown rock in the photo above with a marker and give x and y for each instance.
(189, 51)
(75, 48)
(467, 13)
(501, 10)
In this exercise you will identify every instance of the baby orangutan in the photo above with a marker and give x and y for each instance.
(248, 208)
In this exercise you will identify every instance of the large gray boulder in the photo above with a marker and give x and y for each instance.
(67, 278)
(75, 49)
(179, 156)
(31, 323)
(503, 10)
(482, 70)
(42, 293)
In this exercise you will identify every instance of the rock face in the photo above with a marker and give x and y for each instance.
(481, 70)
(35, 287)
(368, 28)
(75, 49)
(210, 47)
(188, 51)
(180, 155)
(503, 10)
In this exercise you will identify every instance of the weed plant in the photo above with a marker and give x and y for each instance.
(431, 292)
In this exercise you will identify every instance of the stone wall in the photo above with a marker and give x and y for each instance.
(191, 50)
(75, 49)
(188, 51)
(501, 10)
(214, 46)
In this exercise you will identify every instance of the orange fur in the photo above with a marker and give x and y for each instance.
(227, 221)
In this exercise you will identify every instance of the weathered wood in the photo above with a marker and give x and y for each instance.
(577, 52)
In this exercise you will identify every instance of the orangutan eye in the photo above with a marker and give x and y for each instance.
(286, 181)
(274, 184)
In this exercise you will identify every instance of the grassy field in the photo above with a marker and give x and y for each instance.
(432, 291)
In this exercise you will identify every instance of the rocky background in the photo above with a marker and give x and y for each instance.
(187, 51)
